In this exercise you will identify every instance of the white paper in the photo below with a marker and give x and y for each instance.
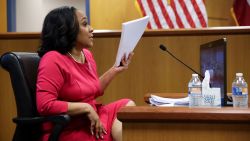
(160, 101)
(131, 34)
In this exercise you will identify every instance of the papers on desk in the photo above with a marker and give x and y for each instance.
(131, 34)
(168, 102)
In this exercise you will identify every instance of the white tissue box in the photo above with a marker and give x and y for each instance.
(211, 97)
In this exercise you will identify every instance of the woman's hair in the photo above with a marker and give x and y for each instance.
(59, 32)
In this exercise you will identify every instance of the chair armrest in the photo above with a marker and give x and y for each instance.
(59, 120)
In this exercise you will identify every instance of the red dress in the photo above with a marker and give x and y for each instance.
(61, 80)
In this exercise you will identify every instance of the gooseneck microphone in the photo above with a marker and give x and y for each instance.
(162, 47)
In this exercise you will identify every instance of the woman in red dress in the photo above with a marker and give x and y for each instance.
(68, 83)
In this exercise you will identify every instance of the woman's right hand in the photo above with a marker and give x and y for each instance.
(96, 127)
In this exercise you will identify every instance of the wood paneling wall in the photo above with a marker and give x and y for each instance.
(151, 70)
(219, 13)
(110, 15)
(155, 71)
(3, 15)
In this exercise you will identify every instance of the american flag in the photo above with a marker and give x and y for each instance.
(166, 14)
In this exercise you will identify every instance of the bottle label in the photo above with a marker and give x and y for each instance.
(239, 91)
(195, 90)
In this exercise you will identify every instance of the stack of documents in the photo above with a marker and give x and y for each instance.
(160, 101)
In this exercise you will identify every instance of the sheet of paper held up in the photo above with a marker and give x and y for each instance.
(131, 34)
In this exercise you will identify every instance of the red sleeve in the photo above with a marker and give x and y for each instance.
(49, 82)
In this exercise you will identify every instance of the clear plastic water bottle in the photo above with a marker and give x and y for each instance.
(240, 91)
(194, 91)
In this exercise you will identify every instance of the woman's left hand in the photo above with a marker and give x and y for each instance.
(124, 63)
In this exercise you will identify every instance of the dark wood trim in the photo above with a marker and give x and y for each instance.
(200, 32)
(185, 114)
(149, 33)
(234, 30)
(19, 35)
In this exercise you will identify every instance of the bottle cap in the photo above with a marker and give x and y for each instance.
(239, 74)
(194, 74)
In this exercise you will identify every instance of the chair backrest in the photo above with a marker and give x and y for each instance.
(22, 68)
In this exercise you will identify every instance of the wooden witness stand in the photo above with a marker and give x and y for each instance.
(150, 123)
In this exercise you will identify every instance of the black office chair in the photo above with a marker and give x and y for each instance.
(22, 68)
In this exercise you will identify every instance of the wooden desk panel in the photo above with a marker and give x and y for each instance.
(178, 131)
(146, 123)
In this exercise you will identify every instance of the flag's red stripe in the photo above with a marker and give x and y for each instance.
(199, 14)
(152, 9)
(143, 12)
(187, 14)
(178, 19)
(165, 14)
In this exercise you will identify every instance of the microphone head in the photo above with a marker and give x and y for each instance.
(162, 47)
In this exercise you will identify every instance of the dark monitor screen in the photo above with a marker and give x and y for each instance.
(213, 58)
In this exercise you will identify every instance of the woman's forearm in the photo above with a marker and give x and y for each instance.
(107, 77)
(76, 108)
